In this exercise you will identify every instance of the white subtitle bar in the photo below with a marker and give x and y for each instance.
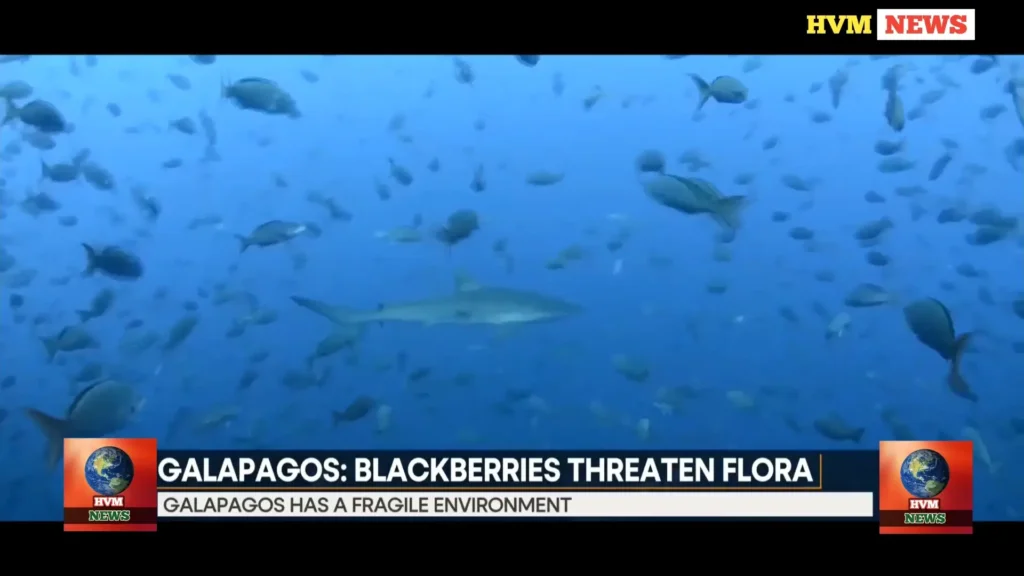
(260, 504)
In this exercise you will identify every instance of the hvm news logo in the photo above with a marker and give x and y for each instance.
(926, 24)
(109, 484)
(926, 487)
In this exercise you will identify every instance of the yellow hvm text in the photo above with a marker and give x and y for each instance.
(838, 24)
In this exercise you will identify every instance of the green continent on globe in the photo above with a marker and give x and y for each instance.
(109, 471)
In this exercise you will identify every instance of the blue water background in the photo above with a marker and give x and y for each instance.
(341, 145)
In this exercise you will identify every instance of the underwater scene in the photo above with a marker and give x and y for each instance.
(511, 252)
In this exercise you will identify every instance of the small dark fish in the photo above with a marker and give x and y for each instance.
(528, 60)
(356, 410)
(261, 95)
(724, 89)
(271, 233)
(203, 59)
(112, 261)
(38, 113)
(940, 166)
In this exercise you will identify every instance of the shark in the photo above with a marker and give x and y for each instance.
(470, 303)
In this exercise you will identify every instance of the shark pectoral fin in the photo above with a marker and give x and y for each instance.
(336, 314)
(465, 283)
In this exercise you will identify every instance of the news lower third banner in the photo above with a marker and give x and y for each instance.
(128, 484)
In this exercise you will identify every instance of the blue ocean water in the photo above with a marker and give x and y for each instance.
(715, 348)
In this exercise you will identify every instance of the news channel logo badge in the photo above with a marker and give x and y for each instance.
(926, 487)
(903, 25)
(110, 485)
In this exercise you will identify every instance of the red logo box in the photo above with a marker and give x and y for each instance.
(120, 509)
(934, 510)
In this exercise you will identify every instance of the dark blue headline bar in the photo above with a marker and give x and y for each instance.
(847, 471)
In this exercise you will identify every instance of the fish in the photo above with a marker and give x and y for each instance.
(70, 339)
(270, 233)
(528, 60)
(102, 302)
(866, 295)
(112, 261)
(38, 113)
(932, 324)
(98, 410)
(894, 115)
(838, 326)
(695, 196)
(724, 89)
(261, 95)
(356, 410)
(469, 304)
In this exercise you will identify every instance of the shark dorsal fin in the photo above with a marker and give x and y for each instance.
(465, 283)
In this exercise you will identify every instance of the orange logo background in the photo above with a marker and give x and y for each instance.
(140, 494)
(958, 495)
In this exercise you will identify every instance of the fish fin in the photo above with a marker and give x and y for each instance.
(54, 429)
(704, 88)
(243, 241)
(729, 210)
(90, 262)
(336, 314)
(52, 348)
(11, 112)
(465, 283)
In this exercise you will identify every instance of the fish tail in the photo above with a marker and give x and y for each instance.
(729, 210)
(211, 154)
(44, 170)
(81, 157)
(960, 346)
(243, 241)
(957, 384)
(858, 434)
(51, 348)
(704, 88)
(11, 111)
(53, 430)
(90, 263)
(336, 314)
(84, 315)
(337, 418)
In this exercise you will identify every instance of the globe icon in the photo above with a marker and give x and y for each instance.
(924, 473)
(109, 471)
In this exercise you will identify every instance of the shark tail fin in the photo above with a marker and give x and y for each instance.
(336, 314)
(54, 431)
